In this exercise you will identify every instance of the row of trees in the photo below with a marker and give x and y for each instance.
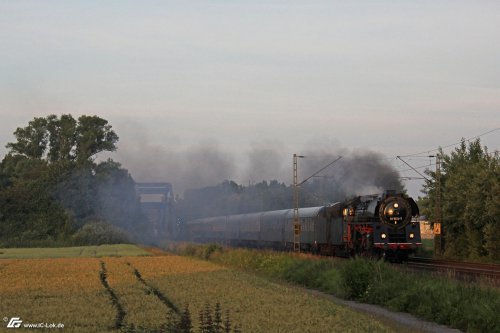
(229, 197)
(470, 202)
(53, 192)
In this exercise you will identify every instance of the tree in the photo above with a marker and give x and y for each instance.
(93, 135)
(31, 140)
(54, 139)
(30, 215)
(62, 137)
(470, 187)
(50, 185)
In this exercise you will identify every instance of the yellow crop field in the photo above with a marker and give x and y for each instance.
(104, 294)
(62, 290)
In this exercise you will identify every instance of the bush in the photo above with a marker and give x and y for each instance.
(306, 272)
(388, 284)
(357, 277)
(275, 264)
(330, 281)
(205, 252)
(98, 233)
(211, 249)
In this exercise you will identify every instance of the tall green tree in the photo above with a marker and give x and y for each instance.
(62, 137)
(30, 215)
(31, 140)
(54, 139)
(93, 135)
(50, 185)
(470, 200)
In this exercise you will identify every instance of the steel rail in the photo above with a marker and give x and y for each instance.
(460, 268)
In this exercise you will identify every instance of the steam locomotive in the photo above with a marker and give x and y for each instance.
(380, 225)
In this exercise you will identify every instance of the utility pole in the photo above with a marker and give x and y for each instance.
(296, 185)
(296, 221)
(438, 226)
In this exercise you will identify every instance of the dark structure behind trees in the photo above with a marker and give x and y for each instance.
(157, 204)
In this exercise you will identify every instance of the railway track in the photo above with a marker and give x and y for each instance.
(460, 269)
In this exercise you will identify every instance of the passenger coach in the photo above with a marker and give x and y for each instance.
(378, 225)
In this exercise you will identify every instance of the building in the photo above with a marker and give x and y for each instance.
(157, 204)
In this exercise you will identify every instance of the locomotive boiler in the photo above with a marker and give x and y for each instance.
(381, 225)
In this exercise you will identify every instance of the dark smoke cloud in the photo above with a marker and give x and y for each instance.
(356, 173)
(186, 168)
(206, 164)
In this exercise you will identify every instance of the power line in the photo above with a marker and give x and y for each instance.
(412, 168)
(419, 167)
(451, 145)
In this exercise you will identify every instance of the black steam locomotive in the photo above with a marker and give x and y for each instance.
(381, 225)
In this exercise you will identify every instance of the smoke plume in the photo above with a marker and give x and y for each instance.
(358, 172)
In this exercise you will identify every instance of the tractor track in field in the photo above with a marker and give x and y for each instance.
(120, 312)
(151, 289)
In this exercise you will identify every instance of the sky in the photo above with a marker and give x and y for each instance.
(233, 89)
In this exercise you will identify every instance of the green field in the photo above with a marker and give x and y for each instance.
(118, 250)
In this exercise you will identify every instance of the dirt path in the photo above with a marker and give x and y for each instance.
(399, 320)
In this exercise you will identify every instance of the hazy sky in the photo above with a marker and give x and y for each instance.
(252, 77)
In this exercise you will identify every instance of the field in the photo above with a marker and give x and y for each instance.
(72, 252)
(470, 307)
(90, 294)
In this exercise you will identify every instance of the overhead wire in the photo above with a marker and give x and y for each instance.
(428, 152)
(451, 145)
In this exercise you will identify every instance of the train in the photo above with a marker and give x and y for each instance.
(383, 225)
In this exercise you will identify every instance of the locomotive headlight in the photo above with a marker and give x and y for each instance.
(396, 205)
(412, 235)
(383, 236)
